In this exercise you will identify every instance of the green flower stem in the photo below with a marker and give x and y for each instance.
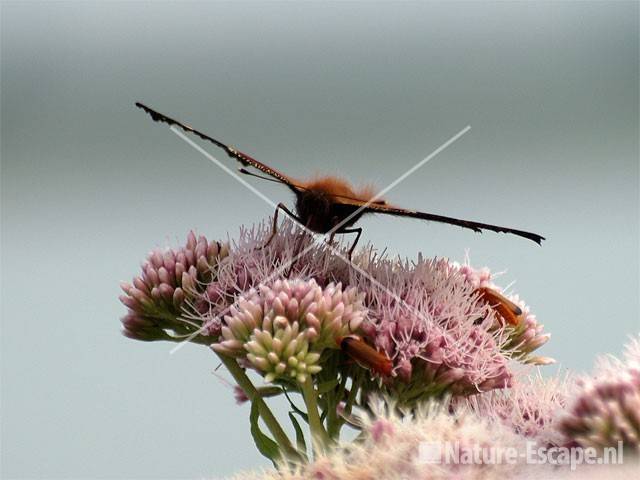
(334, 422)
(265, 412)
(319, 434)
(356, 380)
(332, 397)
(333, 425)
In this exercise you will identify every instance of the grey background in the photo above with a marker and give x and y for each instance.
(90, 184)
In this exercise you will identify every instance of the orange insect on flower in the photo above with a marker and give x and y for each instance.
(366, 355)
(508, 311)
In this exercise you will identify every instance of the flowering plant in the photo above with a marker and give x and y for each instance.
(344, 335)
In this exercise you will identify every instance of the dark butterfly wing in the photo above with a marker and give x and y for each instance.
(475, 226)
(243, 158)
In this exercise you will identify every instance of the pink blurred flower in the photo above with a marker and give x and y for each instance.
(531, 407)
(606, 407)
(389, 448)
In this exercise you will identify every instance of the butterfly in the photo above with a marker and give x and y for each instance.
(330, 204)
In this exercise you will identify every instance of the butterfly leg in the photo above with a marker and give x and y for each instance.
(274, 227)
(299, 243)
(331, 238)
(355, 242)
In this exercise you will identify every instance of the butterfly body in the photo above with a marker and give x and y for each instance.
(321, 205)
(330, 204)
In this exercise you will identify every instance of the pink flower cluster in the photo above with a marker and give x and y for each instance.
(282, 328)
(172, 287)
(531, 407)
(606, 407)
(427, 316)
(523, 338)
(440, 335)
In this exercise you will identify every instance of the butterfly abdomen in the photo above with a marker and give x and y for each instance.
(326, 202)
(314, 209)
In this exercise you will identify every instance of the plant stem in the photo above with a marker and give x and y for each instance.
(318, 433)
(335, 421)
(265, 412)
(333, 427)
(353, 393)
